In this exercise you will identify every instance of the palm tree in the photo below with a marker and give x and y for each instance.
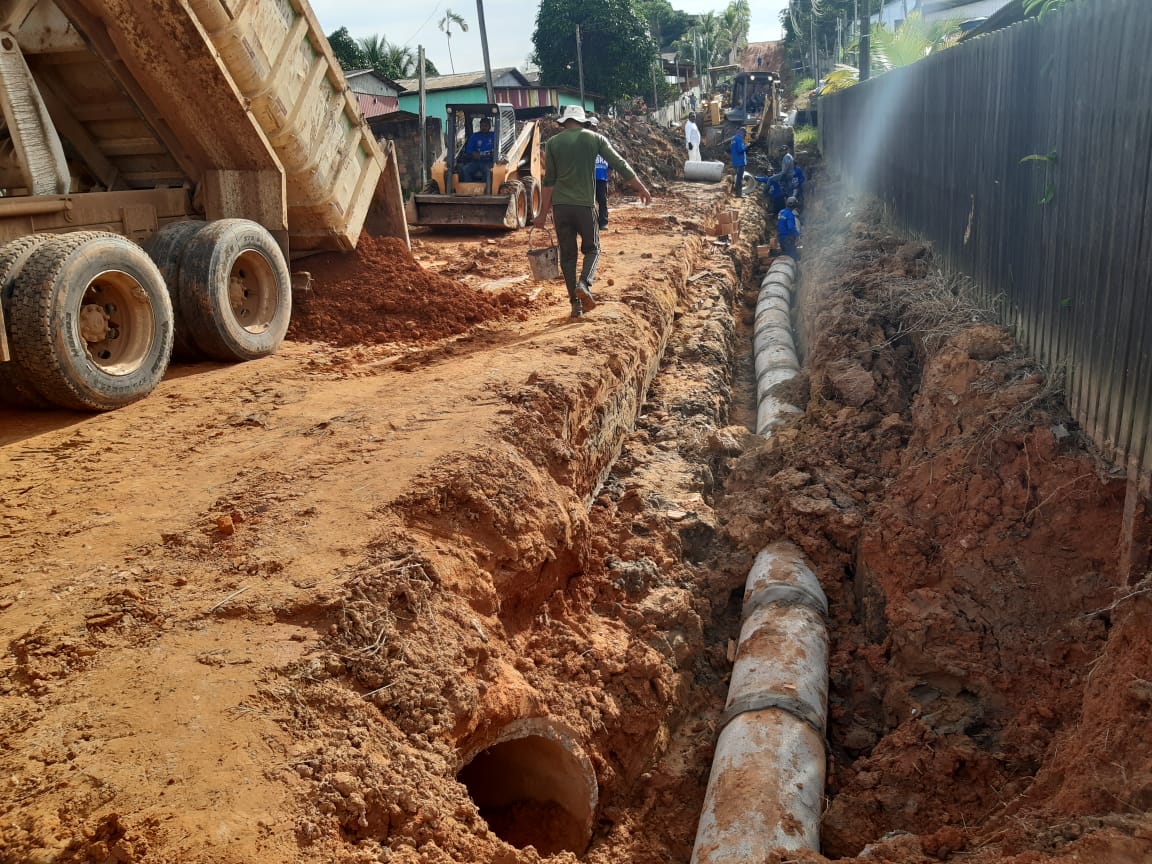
(392, 61)
(373, 48)
(446, 23)
(734, 22)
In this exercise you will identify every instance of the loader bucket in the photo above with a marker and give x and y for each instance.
(483, 211)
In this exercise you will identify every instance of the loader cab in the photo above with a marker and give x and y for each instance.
(753, 94)
(464, 122)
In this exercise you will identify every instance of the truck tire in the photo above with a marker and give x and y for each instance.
(15, 386)
(533, 193)
(235, 291)
(166, 248)
(91, 321)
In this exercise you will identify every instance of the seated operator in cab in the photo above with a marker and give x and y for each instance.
(478, 154)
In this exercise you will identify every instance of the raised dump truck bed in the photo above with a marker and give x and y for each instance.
(219, 134)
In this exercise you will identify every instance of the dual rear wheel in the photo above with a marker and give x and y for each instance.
(92, 318)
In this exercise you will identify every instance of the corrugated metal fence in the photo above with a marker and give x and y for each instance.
(943, 142)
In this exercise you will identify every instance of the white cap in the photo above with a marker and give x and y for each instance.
(593, 122)
(572, 112)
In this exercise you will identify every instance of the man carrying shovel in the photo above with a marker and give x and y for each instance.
(569, 197)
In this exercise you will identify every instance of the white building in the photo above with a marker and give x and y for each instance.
(895, 11)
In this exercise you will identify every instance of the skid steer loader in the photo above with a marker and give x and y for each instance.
(510, 195)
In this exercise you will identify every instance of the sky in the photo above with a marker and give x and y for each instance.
(509, 24)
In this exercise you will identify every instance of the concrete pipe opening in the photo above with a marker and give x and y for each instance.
(534, 787)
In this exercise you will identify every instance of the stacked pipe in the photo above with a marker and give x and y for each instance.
(767, 782)
(772, 345)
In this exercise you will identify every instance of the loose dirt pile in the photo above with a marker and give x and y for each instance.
(656, 154)
(989, 694)
(381, 294)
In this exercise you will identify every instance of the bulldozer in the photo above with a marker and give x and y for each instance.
(510, 195)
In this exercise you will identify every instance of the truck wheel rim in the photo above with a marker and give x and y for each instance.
(116, 322)
(252, 292)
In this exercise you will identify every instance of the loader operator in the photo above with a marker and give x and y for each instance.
(569, 197)
(478, 154)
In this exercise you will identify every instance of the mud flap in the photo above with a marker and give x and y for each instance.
(386, 217)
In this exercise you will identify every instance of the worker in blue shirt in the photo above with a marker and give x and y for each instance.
(798, 179)
(601, 192)
(478, 153)
(601, 181)
(770, 186)
(788, 229)
(739, 151)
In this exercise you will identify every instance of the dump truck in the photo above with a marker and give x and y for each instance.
(161, 162)
(511, 194)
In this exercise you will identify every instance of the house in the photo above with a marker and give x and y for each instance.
(512, 86)
(376, 94)
(895, 11)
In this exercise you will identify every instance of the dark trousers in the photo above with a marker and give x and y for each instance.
(574, 221)
(602, 202)
(788, 247)
(739, 185)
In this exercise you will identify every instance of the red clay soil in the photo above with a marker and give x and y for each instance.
(381, 294)
(989, 686)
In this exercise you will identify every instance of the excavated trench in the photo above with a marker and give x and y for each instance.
(530, 675)
(912, 401)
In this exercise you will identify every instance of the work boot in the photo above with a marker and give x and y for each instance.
(577, 309)
(585, 295)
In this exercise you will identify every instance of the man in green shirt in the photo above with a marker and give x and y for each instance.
(570, 198)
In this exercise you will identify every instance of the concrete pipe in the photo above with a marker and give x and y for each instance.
(773, 348)
(766, 786)
(771, 411)
(775, 289)
(708, 172)
(771, 377)
(775, 352)
(534, 785)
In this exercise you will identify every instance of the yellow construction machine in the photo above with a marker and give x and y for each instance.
(509, 196)
(755, 103)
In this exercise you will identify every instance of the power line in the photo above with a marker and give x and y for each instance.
(435, 9)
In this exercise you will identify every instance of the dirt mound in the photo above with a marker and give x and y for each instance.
(379, 294)
(656, 154)
(967, 537)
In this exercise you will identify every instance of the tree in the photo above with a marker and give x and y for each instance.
(348, 53)
(913, 40)
(446, 23)
(391, 61)
(667, 25)
(733, 23)
(618, 53)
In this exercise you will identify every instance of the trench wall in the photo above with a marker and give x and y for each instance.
(1023, 155)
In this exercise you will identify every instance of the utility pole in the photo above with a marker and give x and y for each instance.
(423, 121)
(865, 42)
(580, 63)
(484, 47)
(815, 67)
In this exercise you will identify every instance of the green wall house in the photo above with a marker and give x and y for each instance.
(511, 86)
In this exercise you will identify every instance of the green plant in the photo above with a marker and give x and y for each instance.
(806, 136)
(1049, 162)
(803, 88)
